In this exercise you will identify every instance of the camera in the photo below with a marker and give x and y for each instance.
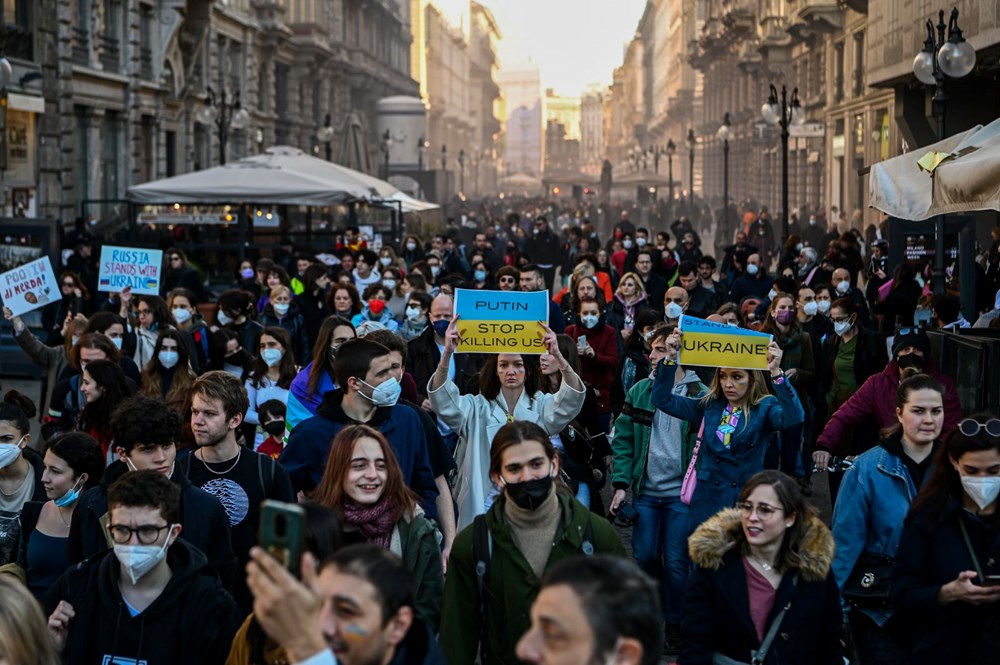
(625, 516)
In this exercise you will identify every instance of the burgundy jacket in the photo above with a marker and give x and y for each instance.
(598, 371)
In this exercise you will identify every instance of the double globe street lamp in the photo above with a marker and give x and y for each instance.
(786, 113)
(724, 133)
(225, 115)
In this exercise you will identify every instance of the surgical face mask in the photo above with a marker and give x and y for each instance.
(281, 308)
(181, 314)
(169, 358)
(812, 221)
(385, 393)
(413, 314)
(137, 560)
(810, 308)
(247, 273)
(824, 306)
(843, 286)
(529, 494)
(784, 317)
(674, 311)
(798, 247)
(70, 497)
(389, 284)
(10, 452)
(440, 327)
(589, 320)
(480, 275)
(772, 294)
(411, 246)
(640, 241)
(435, 270)
(385, 261)
(752, 268)
(117, 341)
(271, 356)
(223, 318)
(73, 340)
(275, 427)
(627, 244)
(983, 490)
(841, 327)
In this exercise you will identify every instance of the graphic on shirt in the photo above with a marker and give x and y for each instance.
(10, 532)
(118, 660)
(730, 419)
(233, 498)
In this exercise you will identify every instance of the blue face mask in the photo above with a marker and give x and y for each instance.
(70, 497)
(441, 327)
(480, 275)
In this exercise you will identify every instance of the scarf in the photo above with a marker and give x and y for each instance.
(374, 522)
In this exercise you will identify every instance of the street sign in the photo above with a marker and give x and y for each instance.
(811, 130)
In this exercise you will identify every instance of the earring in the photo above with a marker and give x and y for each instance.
(788, 526)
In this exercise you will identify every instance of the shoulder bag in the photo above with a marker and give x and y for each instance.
(691, 475)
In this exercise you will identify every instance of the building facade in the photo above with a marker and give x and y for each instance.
(524, 106)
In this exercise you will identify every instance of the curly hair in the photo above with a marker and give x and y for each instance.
(144, 420)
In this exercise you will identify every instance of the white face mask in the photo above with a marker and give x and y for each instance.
(385, 393)
(413, 314)
(271, 356)
(10, 452)
(640, 241)
(841, 327)
(983, 490)
(281, 308)
(627, 244)
(752, 269)
(824, 306)
(810, 308)
(181, 315)
(223, 319)
(674, 311)
(589, 320)
(389, 284)
(771, 294)
(137, 560)
(435, 270)
(410, 246)
(843, 286)
(169, 358)
(117, 341)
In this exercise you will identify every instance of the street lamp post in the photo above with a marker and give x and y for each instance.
(461, 171)
(421, 149)
(671, 149)
(692, 142)
(325, 135)
(940, 60)
(788, 113)
(724, 135)
(386, 147)
(225, 115)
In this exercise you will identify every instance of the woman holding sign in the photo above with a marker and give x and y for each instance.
(736, 419)
(508, 391)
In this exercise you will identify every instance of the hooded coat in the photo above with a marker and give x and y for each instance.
(192, 621)
(295, 324)
(716, 603)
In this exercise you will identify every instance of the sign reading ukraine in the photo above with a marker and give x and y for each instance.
(710, 344)
(501, 321)
(130, 267)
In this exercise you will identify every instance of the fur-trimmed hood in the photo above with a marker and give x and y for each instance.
(718, 535)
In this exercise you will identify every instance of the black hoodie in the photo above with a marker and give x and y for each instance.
(192, 621)
(206, 525)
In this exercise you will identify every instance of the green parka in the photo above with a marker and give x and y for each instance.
(511, 585)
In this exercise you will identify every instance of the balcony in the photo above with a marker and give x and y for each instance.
(110, 54)
(17, 41)
(738, 20)
(81, 46)
(822, 16)
(750, 59)
(711, 42)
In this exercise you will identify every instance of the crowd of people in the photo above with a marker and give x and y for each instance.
(456, 505)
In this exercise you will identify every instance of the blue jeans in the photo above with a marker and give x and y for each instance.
(659, 546)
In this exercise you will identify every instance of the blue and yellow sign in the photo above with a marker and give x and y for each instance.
(501, 321)
(710, 344)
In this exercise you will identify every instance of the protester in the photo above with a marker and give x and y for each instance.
(283, 312)
(238, 314)
(869, 512)
(531, 278)
(344, 301)
(363, 483)
(629, 301)
(508, 391)
(417, 315)
(737, 418)
(533, 525)
(597, 345)
(169, 375)
(318, 378)
(943, 577)
(153, 315)
(270, 378)
(23, 634)
(312, 301)
(73, 464)
(600, 609)
(75, 301)
(652, 451)
(21, 469)
(152, 597)
(104, 388)
(425, 353)
(181, 304)
(773, 554)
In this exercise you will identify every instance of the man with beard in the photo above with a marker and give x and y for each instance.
(240, 478)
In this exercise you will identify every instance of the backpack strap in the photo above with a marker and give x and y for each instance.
(186, 464)
(482, 551)
(268, 485)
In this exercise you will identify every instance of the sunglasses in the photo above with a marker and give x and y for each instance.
(972, 427)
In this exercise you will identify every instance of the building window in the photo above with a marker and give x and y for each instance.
(146, 42)
(81, 32)
(859, 63)
(170, 150)
(280, 88)
(82, 117)
(16, 29)
(111, 140)
(838, 72)
(108, 38)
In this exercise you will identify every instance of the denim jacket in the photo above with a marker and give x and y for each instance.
(874, 498)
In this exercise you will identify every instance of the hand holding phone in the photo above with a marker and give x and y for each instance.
(282, 533)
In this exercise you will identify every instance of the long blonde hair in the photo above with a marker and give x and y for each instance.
(640, 289)
(756, 391)
(24, 637)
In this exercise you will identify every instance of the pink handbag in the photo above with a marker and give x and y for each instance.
(691, 475)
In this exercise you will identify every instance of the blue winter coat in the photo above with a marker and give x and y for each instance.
(724, 471)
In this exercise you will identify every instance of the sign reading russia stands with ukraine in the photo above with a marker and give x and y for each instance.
(130, 267)
(501, 321)
(710, 344)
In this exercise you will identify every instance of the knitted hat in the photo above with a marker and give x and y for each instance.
(911, 337)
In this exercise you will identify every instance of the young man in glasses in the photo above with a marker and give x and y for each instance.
(152, 598)
(146, 432)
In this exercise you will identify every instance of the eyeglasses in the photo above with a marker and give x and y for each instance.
(764, 511)
(842, 319)
(144, 312)
(506, 280)
(147, 533)
(972, 427)
(69, 285)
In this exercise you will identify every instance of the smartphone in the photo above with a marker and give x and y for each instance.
(282, 533)
(581, 342)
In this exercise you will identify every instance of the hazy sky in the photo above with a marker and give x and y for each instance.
(574, 42)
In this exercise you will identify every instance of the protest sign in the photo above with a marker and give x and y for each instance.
(133, 267)
(30, 286)
(710, 344)
(501, 321)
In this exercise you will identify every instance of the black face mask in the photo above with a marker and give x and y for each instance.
(275, 427)
(910, 360)
(530, 494)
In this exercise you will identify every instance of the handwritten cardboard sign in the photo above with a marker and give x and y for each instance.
(710, 344)
(30, 286)
(133, 267)
(501, 321)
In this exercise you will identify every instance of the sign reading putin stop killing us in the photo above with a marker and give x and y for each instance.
(130, 267)
(501, 321)
(710, 344)
(29, 287)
